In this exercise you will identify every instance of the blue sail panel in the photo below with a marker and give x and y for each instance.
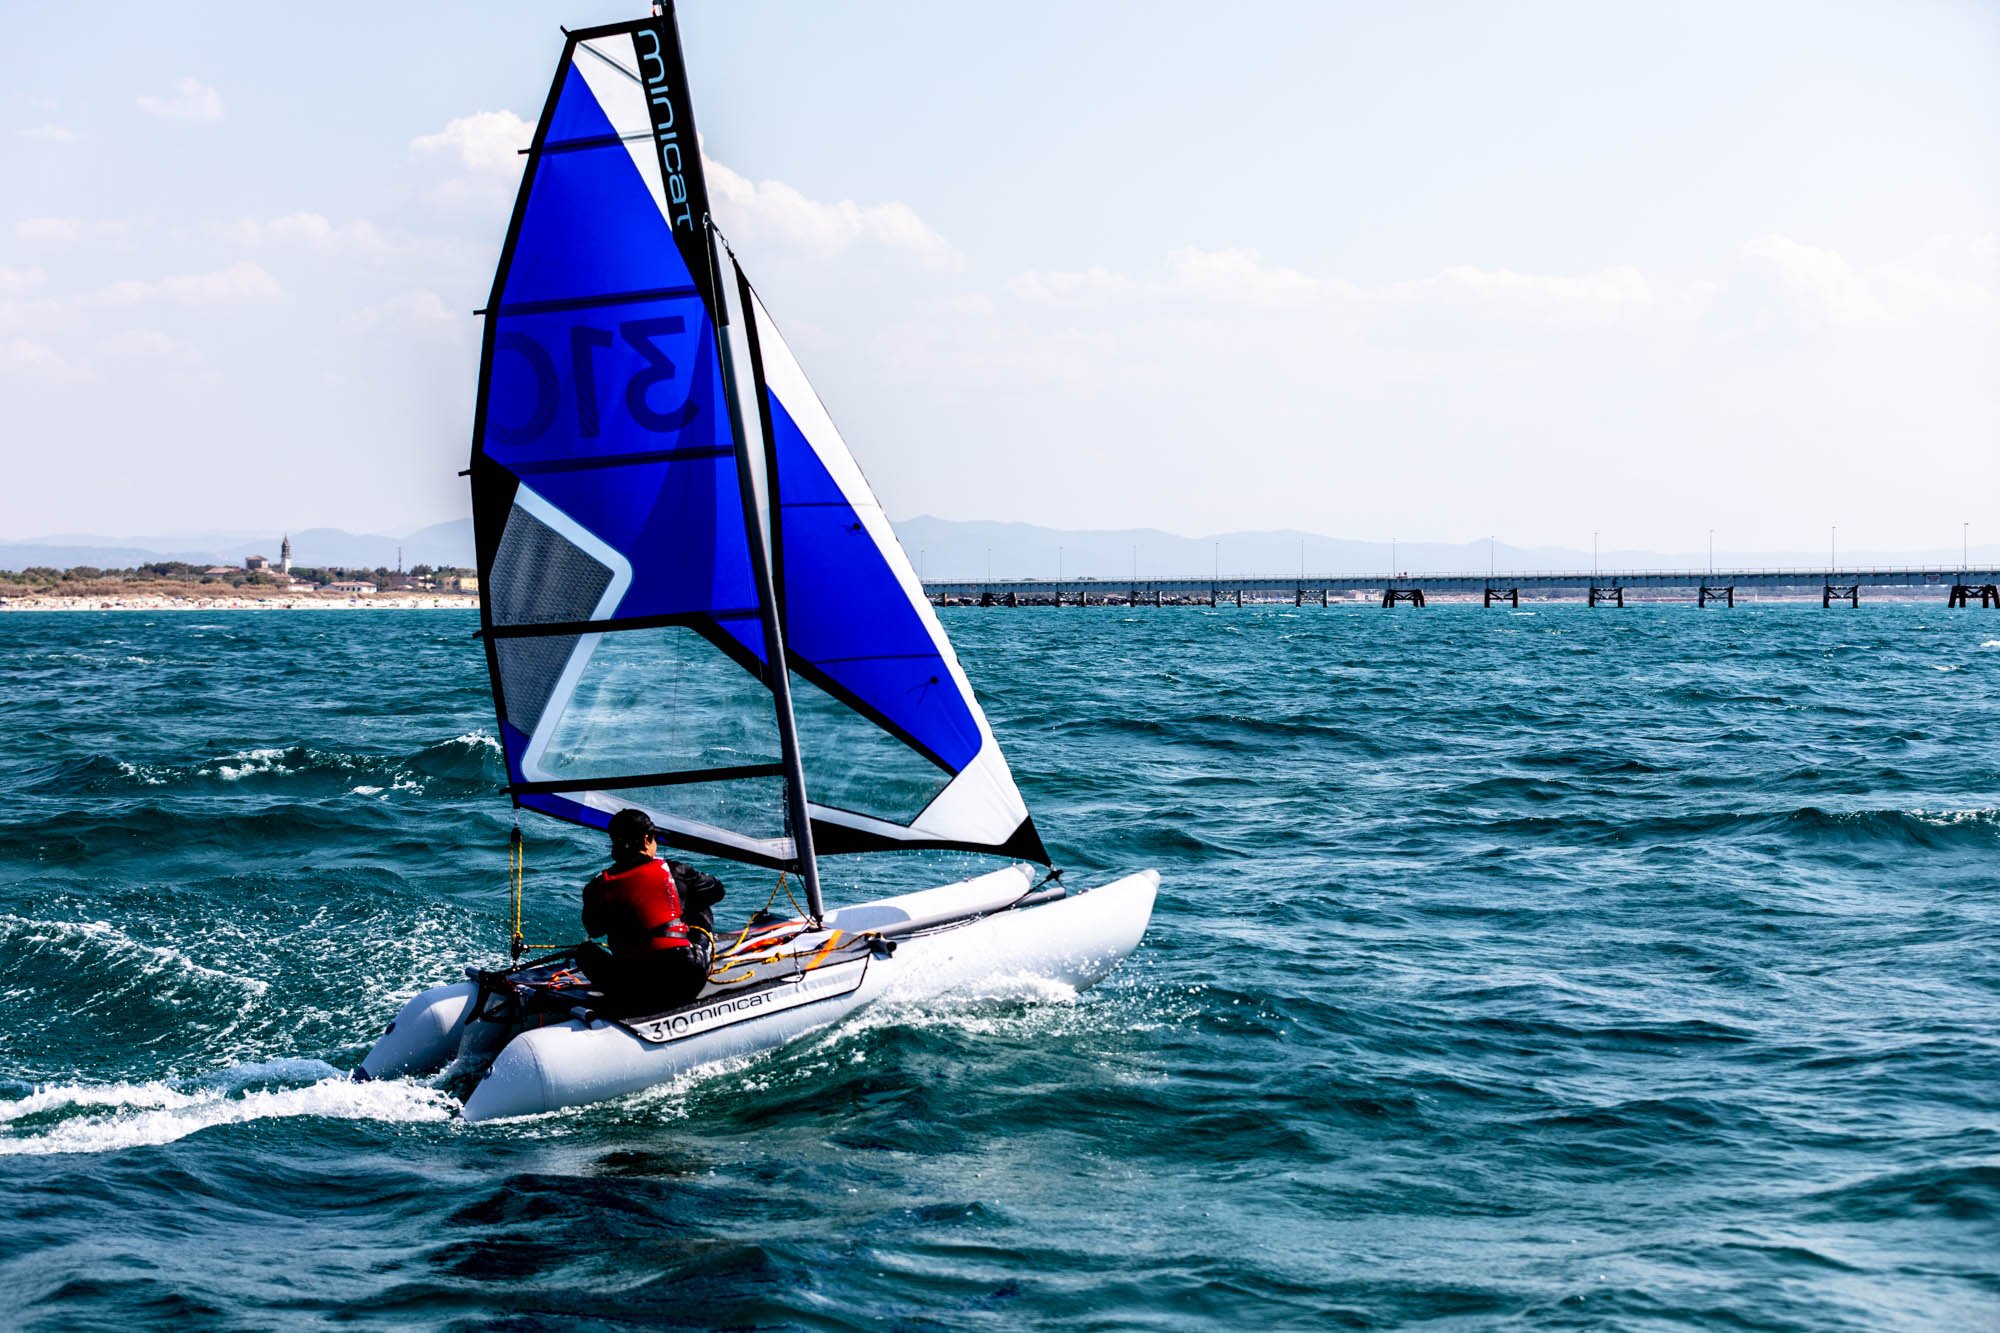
(848, 615)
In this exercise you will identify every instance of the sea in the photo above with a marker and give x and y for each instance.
(1546, 968)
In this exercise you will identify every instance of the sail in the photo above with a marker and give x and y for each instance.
(897, 751)
(619, 566)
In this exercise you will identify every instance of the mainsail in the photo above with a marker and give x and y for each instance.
(652, 521)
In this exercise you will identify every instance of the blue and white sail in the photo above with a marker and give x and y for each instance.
(621, 602)
(651, 525)
(897, 750)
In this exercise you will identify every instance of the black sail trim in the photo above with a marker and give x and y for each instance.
(548, 465)
(831, 839)
(553, 307)
(678, 778)
(554, 628)
(493, 486)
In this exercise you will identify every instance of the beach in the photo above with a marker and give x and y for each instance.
(376, 602)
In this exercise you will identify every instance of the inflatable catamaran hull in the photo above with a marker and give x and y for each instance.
(924, 944)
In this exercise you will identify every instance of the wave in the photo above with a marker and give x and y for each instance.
(107, 1117)
(463, 764)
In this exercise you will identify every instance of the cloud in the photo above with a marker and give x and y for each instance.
(419, 309)
(1817, 281)
(243, 283)
(479, 156)
(1241, 277)
(774, 210)
(151, 345)
(61, 232)
(16, 282)
(191, 99)
(50, 134)
(310, 231)
(28, 359)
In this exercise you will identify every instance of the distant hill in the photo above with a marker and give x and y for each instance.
(965, 549)
(439, 544)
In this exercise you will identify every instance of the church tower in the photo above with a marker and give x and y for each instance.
(285, 555)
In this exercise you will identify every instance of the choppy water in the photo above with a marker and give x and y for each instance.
(1548, 969)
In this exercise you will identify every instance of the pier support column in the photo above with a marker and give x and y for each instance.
(1511, 596)
(1963, 593)
(1615, 595)
(1322, 597)
(1414, 596)
(1239, 599)
(1837, 591)
(1725, 594)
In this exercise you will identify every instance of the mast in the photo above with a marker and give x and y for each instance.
(778, 675)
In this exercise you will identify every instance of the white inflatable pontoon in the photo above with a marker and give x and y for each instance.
(523, 1049)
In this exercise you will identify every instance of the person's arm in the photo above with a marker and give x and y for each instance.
(697, 888)
(593, 911)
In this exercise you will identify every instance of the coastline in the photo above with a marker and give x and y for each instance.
(377, 602)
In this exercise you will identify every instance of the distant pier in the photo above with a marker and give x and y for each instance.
(1970, 588)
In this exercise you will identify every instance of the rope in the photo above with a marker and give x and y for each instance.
(517, 868)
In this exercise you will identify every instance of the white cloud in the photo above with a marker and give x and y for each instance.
(50, 134)
(63, 232)
(29, 359)
(419, 309)
(777, 211)
(151, 345)
(1242, 277)
(243, 283)
(479, 158)
(1819, 281)
(483, 141)
(16, 282)
(191, 99)
(310, 231)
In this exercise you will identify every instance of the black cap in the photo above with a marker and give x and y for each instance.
(631, 828)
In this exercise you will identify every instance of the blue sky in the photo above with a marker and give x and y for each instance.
(1423, 270)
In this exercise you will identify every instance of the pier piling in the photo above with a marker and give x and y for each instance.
(1511, 596)
(1963, 593)
(1835, 591)
(1726, 594)
(1615, 595)
(1391, 596)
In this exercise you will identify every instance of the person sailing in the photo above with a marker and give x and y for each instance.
(658, 918)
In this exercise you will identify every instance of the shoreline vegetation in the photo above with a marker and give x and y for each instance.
(175, 586)
(285, 601)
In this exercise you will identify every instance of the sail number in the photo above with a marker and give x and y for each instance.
(586, 345)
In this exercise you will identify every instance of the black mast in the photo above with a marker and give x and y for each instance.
(673, 115)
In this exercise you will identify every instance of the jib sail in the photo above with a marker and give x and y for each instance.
(897, 751)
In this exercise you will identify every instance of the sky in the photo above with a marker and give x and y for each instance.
(1433, 271)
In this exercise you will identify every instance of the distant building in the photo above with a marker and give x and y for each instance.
(258, 564)
(285, 554)
(353, 587)
(215, 571)
(462, 583)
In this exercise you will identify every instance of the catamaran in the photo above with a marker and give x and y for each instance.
(693, 605)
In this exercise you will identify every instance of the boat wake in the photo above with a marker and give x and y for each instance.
(106, 1117)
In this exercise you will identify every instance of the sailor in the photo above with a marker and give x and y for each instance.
(657, 916)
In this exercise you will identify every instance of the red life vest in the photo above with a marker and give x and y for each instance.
(637, 909)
